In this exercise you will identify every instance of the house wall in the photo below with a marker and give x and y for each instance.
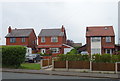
(28, 41)
(88, 41)
(32, 40)
(48, 41)
(103, 42)
(18, 41)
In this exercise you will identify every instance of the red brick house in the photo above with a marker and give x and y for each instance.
(53, 40)
(24, 37)
(100, 39)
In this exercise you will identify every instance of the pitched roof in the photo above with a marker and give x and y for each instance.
(51, 32)
(19, 33)
(100, 31)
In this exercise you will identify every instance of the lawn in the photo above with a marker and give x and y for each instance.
(32, 66)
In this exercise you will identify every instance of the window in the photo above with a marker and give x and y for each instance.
(96, 39)
(12, 40)
(23, 39)
(54, 39)
(108, 51)
(108, 39)
(42, 39)
(96, 51)
(55, 50)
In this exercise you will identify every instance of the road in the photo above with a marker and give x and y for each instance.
(9, 75)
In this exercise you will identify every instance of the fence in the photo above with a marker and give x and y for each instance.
(45, 63)
(86, 65)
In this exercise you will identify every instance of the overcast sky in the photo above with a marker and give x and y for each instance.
(74, 15)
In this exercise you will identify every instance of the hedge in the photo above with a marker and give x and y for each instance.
(106, 58)
(13, 55)
(73, 57)
(95, 58)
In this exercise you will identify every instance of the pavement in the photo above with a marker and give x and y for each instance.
(63, 73)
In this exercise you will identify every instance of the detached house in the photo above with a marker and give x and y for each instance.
(100, 40)
(24, 37)
(53, 41)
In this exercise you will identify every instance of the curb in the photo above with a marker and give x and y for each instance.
(59, 74)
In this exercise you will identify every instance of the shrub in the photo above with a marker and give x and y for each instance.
(105, 58)
(13, 55)
(73, 51)
(73, 57)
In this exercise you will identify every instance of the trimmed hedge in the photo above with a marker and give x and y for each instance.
(13, 55)
(73, 57)
(106, 58)
(73, 51)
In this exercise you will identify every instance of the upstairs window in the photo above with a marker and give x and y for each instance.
(12, 40)
(42, 39)
(96, 39)
(23, 39)
(54, 39)
(108, 39)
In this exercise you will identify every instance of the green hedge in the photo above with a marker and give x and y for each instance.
(95, 58)
(106, 58)
(73, 51)
(73, 57)
(13, 55)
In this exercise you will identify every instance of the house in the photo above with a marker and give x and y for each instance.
(77, 44)
(100, 40)
(82, 48)
(24, 37)
(53, 41)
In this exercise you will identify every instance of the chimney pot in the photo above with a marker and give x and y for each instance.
(62, 29)
(9, 29)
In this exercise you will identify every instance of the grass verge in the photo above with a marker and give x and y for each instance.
(32, 66)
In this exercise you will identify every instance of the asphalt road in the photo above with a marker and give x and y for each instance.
(9, 75)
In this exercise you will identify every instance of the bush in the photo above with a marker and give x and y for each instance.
(13, 55)
(73, 51)
(105, 58)
(95, 58)
(73, 57)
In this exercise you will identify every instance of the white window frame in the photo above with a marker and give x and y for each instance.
(54, 39)
(108, 39)
(42, 39)
(109, 50)
(23, 39)
(95, 50)
(96, 39)
(43, 51)
(12, 40)
(57, 50)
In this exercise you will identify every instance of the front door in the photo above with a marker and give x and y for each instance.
(109, 51)
(43, 51)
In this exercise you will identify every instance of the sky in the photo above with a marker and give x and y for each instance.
(74, 15)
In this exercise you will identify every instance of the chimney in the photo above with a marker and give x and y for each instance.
(9, 29)
(87, 29)
(62, 29)
(106, 27)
